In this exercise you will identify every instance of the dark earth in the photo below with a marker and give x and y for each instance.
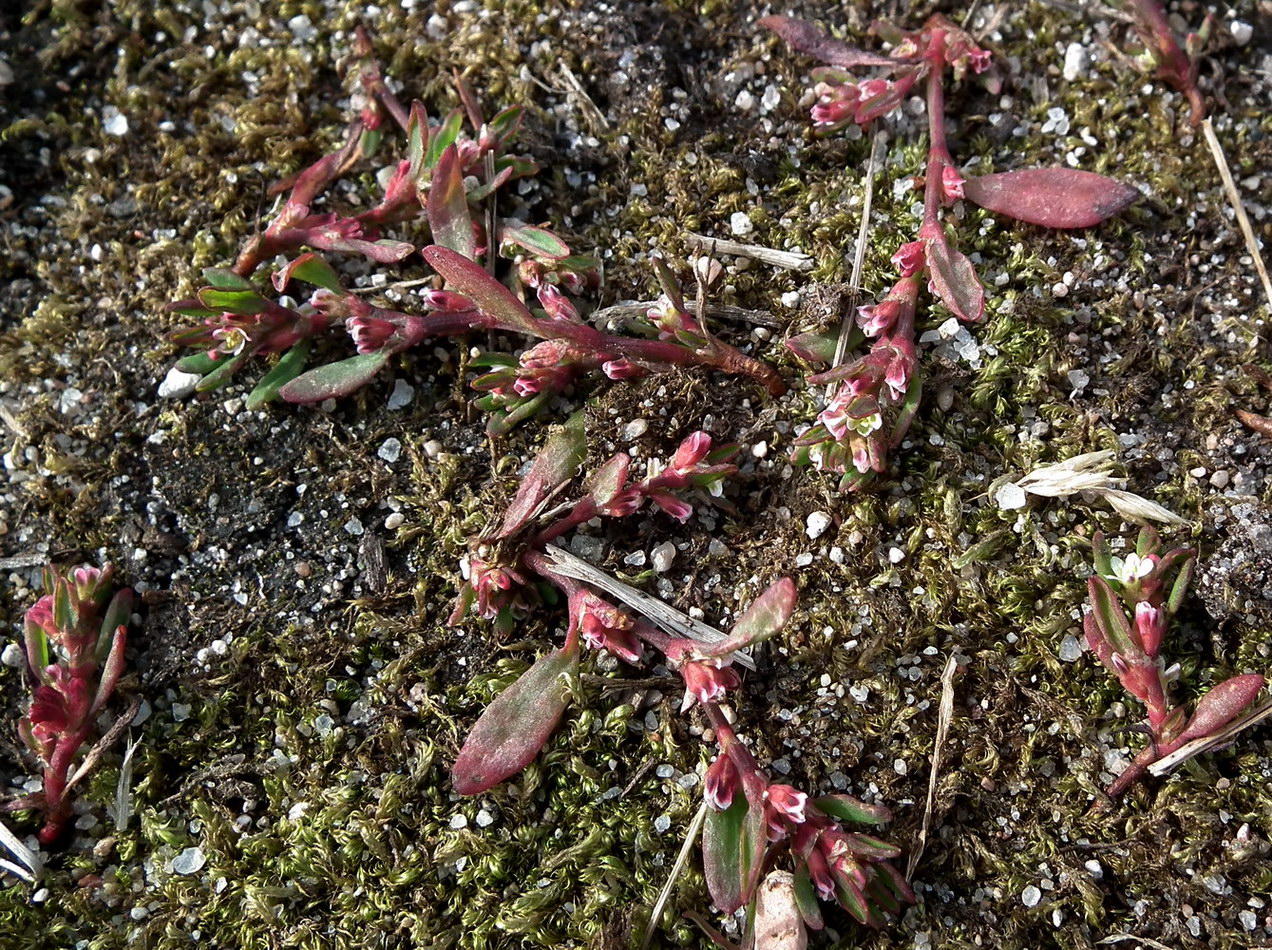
(303, 693)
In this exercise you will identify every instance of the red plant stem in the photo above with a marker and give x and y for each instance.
(57, 804)
(604, 347)
(729, 743)
(584, 510)
(938, 149)
(1173, 65)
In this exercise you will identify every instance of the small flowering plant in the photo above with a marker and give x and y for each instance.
(74, 638)
(752, 823)
(1133, 598)
(446, 179)
(1164, 57)
(879, 391)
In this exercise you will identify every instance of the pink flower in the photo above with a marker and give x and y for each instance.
(786, 809)
(370, 334)
(492, 585)
(669, 320)
(545, 366)
(721, 783)
(952, 183)
(910, 258)
(40, 615)
(676, 507)
(900, 369)
(557, 304)
(1150, 624)
(980, 59)
(690, 453)
(878, 317)
(705, 683)
(621, 369)
(819, 873)
(447, 301)
(626, 502)
(605, 627)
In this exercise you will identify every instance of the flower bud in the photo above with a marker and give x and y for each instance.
(910, 258)
(705, 683)
(721, 783)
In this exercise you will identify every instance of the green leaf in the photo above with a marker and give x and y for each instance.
(116, 616)
(443, 137)
(224, 370)
(1112, 620)
(503, 422)
(490, 297)
(241, 302)
(538, 241)
(847, 808)
(954, 280)
(818, 346)
(852, 899)
(517, 724)
(506, 123)
(64, 613)
(448, 215)
(557, 462)
(909, 409)
(312, 269)
(200, 363)
(733, 846)
(806, 900)
(1179, 589)
(417, 137)
(222, 279)
(334, 379)
(191, 308)
(872, 848)
(289, 366)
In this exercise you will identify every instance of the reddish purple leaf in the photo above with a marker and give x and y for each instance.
(448, 215)
(766, 616)
(807, 38)
(516, 725)
(608, 480)
(954, 280)
(1051, 197)
(1223, 704)
(557, 462)
(491, 297)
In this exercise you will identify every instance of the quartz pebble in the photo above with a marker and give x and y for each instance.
(740, 224)
(189, 861)
(817, 524)
(1030, 896)
(663, 556)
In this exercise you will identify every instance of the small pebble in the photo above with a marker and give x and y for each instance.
(1241, 31)
(1030, 896)
(391, 450)
(354, 527)
(1010, 497)
(740, 224)
(178, 385)
(189, 861)
(394, 520)
(114, 122)
(403, 393)
(817, 523)
(663, 556)
(1070, 648)
(1076, 61)
(12, 656)
(635, 429)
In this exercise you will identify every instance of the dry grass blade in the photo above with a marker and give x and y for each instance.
(30, 865)
(1123, 938)
(582, 101)
(1188, 750)
(104, 743)
(1088, 473)
(1234, 198)
(943, 719)
(691, 835)
(859, 257)
(621, 313)
(123, 790)
(787, 260)
(662, 614)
